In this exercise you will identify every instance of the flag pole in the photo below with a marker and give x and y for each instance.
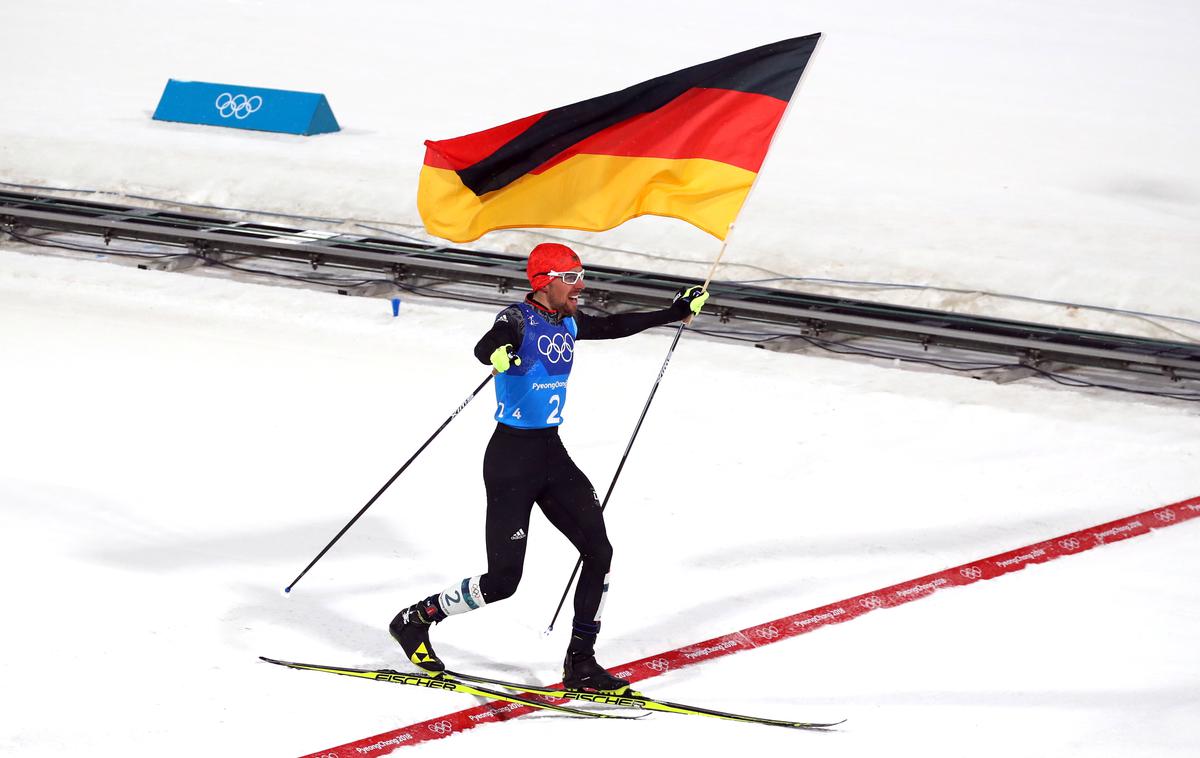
(679, 332)
(754, 182)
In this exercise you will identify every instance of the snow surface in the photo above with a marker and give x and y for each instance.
(1043, 149)
(175, 448)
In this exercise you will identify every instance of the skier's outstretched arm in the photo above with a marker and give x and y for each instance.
(688, 302)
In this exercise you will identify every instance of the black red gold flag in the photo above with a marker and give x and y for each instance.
(685, 145)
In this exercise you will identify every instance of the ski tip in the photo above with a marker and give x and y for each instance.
(829, 725)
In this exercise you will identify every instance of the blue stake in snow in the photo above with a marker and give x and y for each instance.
(395, 307)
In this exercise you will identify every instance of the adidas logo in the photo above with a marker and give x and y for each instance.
(518, 535)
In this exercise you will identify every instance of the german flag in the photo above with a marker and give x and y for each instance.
(686, 145)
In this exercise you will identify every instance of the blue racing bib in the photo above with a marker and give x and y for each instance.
(532, 395)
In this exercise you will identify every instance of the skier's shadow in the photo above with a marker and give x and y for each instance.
(165, 553)
(313, 613)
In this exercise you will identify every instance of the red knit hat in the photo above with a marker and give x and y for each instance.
(547, 257)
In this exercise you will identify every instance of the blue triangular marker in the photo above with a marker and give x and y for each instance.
(322, 119)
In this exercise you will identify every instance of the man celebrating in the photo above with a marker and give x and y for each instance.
(531, 346)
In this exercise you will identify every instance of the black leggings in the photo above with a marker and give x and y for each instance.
(524, 466)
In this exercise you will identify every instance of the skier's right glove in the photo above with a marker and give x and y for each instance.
(503, 358)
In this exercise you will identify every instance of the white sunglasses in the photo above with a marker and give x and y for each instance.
(568, 277)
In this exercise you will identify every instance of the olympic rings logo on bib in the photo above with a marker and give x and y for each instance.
(239, 106)
(557, 348)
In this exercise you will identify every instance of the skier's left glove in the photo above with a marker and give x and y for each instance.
(692, 297)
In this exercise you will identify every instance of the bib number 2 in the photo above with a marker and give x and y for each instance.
(555, 403)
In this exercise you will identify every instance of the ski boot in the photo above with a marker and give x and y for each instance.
(584, 673)
(580, 669)
(410, 628)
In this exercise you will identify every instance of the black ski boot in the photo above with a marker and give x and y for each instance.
(411, 629)
(580, 669)
(586, 674)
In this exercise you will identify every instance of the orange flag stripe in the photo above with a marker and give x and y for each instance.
(588, 192)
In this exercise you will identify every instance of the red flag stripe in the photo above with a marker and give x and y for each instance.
(717, 124)
(461, 152)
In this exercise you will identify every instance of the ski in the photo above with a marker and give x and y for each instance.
(445, 682)
(633, 699)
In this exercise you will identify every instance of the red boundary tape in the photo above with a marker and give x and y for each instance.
(800, 623)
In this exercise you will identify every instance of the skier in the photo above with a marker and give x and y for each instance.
(531, 346)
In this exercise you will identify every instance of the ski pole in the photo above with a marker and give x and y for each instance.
(638, 426)
(621, 465)
(395, 476)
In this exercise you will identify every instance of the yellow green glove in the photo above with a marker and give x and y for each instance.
(503, 358)
(694, 297)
